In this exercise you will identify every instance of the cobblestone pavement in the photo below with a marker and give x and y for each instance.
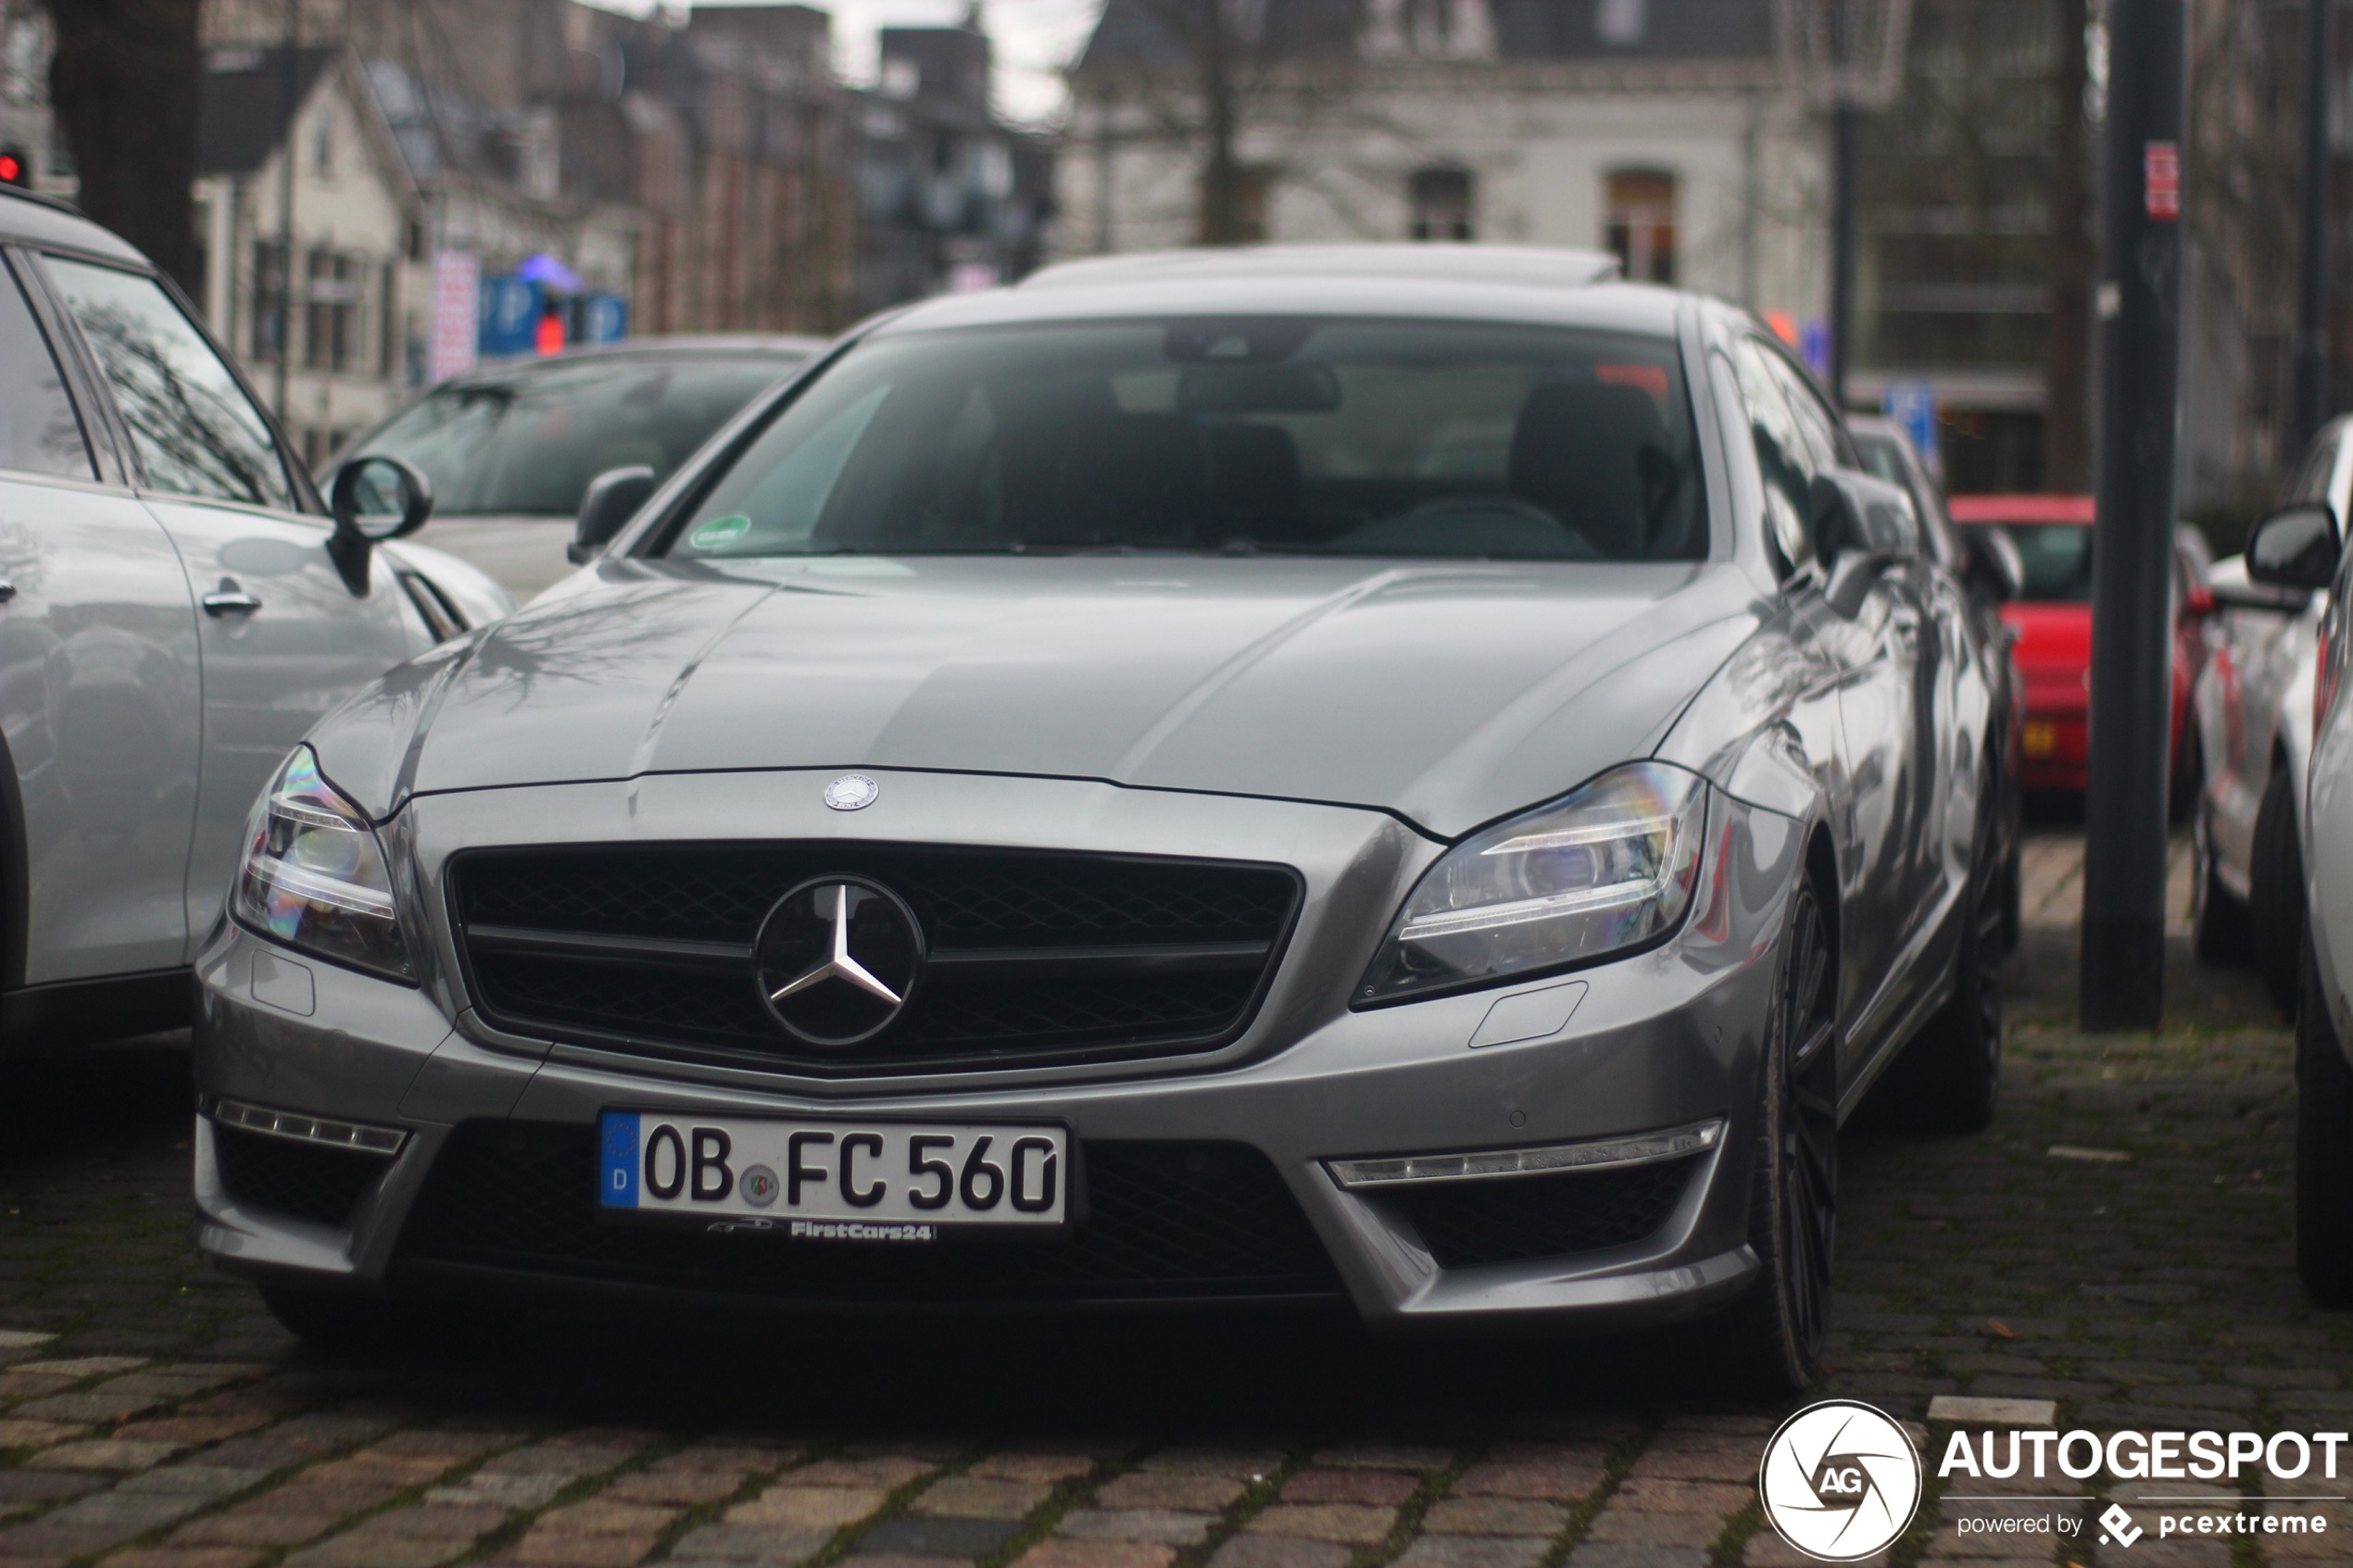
(2118, 1243)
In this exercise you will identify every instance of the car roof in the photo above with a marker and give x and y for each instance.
(2021, 509)
(28, 217)
(1500, 283)
(1525, 265)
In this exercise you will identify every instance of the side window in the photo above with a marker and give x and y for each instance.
(38, 430)
(1783, 457)
(2319, 466)
(194, 430)
(1814, 421)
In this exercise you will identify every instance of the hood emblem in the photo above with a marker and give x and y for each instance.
(836, 960)
(851, 792)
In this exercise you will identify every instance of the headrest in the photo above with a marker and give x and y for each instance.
(1577, 452)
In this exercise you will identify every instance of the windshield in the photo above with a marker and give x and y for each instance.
(530, 444)
(1345, 437)
(2058, 557)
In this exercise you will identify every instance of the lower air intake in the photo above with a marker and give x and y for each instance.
(1520, 1219)
(1164, 1221)
(307, 1180)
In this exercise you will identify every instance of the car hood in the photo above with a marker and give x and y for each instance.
(1446, 694)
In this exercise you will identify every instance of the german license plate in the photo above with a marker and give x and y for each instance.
(833, 1180)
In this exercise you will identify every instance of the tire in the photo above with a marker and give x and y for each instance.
(2323, 1149)
(1949, 1076)
(2186, 783)
(1772, 1340)
(2275, 877)
(2219, 932)
(338, 1323)
(2013, 897)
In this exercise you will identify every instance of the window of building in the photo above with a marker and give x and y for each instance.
(322, 143)
(268, 327)
(1621, 23)
(1639, 224)
(331, 339)
(1244, 223)
(1441, 204)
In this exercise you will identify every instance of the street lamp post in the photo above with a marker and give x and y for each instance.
(2123, 978)
(2312, 295)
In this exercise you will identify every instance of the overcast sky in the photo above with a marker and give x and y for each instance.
(1034, 38)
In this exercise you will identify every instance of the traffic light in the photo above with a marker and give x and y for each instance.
(16, 168)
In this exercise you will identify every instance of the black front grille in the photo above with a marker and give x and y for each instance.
(1162, 1220)
(1519, 1219)
(303, 1179)
(1034, 956)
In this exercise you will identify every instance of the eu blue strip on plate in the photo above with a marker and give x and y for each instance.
(618, 1186)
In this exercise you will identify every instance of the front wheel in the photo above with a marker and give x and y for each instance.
(1777, 1330)
(2324, 1148)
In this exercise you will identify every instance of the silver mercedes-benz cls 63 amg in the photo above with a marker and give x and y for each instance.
(1422, 780)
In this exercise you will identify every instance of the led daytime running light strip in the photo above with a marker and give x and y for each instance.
(303, 1129)
(1595, 833)
(1519, 911)
(320, 889)
(296, 809)
(1418, 1170)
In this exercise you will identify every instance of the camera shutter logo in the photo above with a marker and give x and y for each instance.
(1841, 1481)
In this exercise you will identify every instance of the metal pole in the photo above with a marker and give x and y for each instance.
(290, 89)
(2123, 968)
(2312, 251)
(1841, 244)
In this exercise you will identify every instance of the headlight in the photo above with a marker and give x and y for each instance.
(1608, 868)
(314, 875)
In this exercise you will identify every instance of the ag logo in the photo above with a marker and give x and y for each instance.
(1841, 1481)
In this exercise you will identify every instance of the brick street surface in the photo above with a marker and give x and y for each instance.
(153, 1416)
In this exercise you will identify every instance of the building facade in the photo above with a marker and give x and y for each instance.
(1665, 131)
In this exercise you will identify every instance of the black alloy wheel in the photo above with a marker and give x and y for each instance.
(2218, 921)
(1779, 1328)
(2324, 1148)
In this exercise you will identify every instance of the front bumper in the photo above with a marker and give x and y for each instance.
(1668, 1038)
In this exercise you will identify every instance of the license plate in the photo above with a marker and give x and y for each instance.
(833, 1181)
(2039, 740)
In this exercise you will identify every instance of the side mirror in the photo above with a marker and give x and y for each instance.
(372, 498)
(1852, 575)
(1994, 568)
(610, 500)
(2294, 547)
(1837, 524)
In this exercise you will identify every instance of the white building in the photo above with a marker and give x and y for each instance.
(1667, 131)
(338, 343)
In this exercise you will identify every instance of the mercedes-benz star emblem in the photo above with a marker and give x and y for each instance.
(851, 792)
(836, 960)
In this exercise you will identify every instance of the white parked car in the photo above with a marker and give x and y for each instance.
(177, 608)
(2253, 715)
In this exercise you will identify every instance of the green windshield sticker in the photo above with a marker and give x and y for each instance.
(720, 530)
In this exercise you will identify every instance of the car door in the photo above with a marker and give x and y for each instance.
(98, 681)
(1877, 650)
(283, 637)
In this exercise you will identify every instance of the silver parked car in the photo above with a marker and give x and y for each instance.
(2297, 551)
(176, 609)
(1417, 778)
(2254, 726)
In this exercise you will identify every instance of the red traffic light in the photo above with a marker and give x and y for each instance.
(15, 169)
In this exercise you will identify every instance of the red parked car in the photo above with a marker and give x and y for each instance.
(2052, 621)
